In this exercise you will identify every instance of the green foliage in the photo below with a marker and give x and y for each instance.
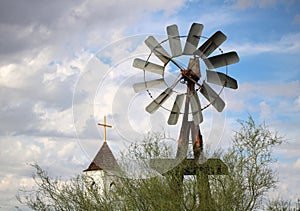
(250, 174)
(250, 177)
(281, 204)
(78, 193)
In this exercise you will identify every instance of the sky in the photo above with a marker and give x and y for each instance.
(66, 64)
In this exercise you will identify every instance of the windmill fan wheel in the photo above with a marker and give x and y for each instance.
(189, 75)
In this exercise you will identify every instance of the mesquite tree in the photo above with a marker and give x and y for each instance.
(250, 173)
(250, 177)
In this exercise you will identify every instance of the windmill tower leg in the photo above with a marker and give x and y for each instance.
(196, 140)
(183, 140)
(176, 175)
(206, 201)
(202, 179)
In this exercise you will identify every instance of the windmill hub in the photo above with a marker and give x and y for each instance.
(189, 76)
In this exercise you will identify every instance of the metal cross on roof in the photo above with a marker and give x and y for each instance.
(105, 126)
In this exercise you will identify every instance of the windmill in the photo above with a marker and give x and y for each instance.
(196, 83)
(190, 76)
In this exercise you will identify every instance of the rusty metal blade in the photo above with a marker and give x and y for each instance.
(174, 40)
(196, 108)
(157, 49)
(211, 44)
(155, 104)
(148, 66)
(221, 79)
(222, 60)
(193, 39)
(212, 97)
(174, 114)
(142, 86)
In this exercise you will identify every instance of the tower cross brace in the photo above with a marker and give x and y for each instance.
(104, 126)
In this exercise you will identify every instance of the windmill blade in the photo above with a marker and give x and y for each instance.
(211, 44)
(148, 66)
(193, 39)
(195, 66)
(174, 40)
(221, 79)
(212, 97)
(148, 84)
(221, 60)
(157, 49)
(196, 108)
(155, 104)
(173, 118)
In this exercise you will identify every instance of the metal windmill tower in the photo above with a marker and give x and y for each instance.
(190, 75)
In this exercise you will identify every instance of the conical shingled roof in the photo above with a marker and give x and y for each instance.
(104, 160)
